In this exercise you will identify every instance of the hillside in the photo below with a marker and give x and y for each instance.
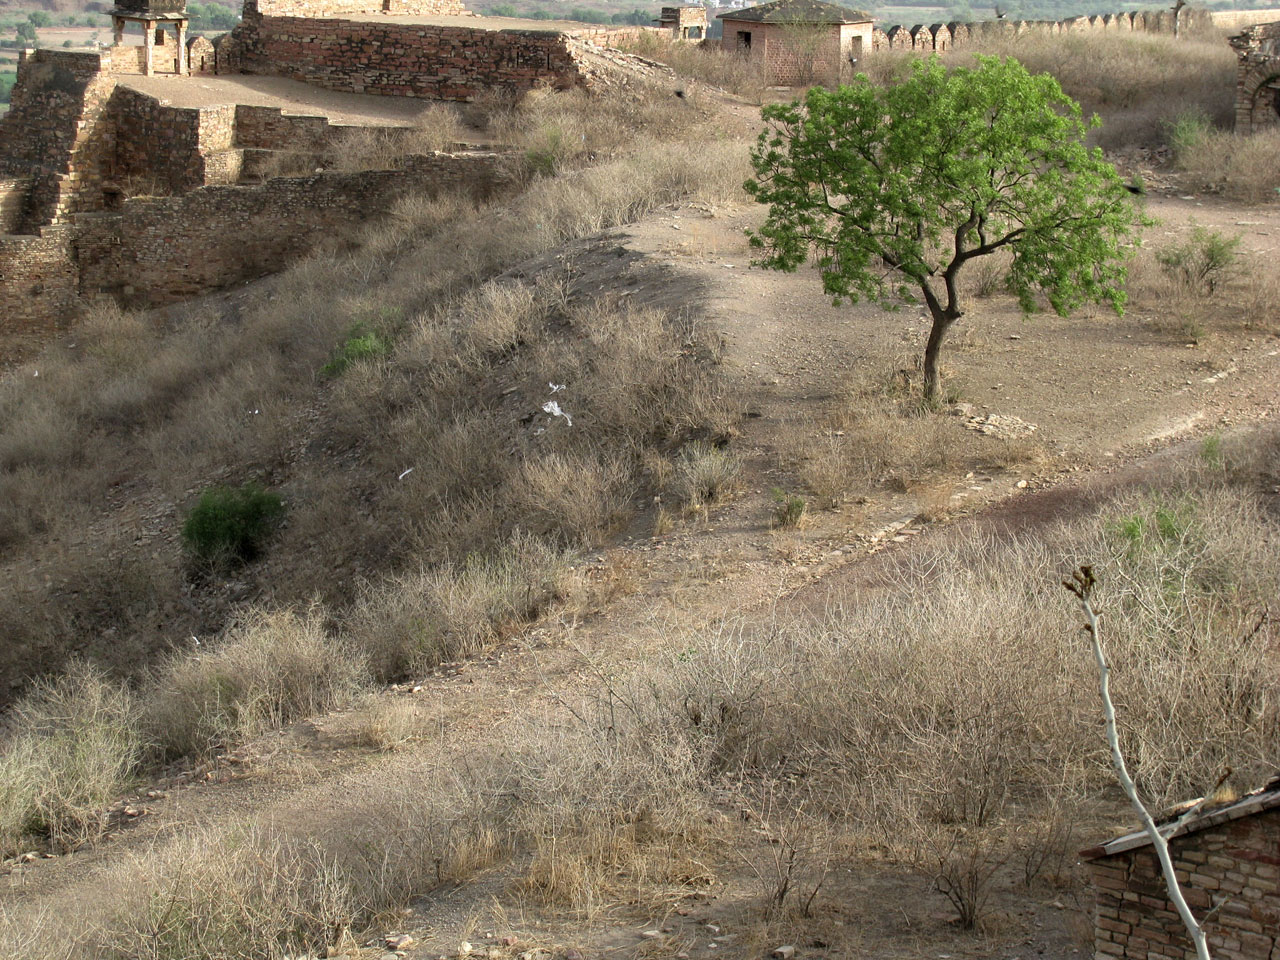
(625, 600)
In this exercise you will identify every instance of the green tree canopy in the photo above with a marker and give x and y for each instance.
(894, 189)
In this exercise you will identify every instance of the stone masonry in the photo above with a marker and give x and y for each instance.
(1228, 865)
(1258, 77)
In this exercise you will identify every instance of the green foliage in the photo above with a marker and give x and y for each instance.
(1211, 454)
(789, 509)
(361, 344)
(1186, 132)
(1205, 260)
(925, 175)
(39, 18)
(229, 524)
(7, 81)
(26, 32)
(211, 16)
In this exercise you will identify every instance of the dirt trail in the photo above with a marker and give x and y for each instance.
(1103, 392)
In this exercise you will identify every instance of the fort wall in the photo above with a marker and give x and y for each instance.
(158, 250)
(339, 8)
(408, 60)
(943, 36)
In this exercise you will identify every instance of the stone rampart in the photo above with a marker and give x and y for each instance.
(408, 60)
(943, 36)
(340, 8)
(38, 281)
(1231, 20)
(158, 250)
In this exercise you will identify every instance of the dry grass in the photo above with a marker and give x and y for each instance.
(1239, 166)
(881, 435)
(711, 65)
(268, 671)
(1136, 82)
(72, 745)
(144, 410)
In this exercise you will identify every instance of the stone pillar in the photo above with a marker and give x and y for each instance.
(117, 28)
(148, 48)
(184, 66)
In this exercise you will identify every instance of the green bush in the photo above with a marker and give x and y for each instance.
(1203, 261)
(789, 509)
(229, 524)
(361, 344)
(1186, 132)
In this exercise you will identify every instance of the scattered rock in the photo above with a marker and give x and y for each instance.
(508, 941)
(651, 934)
(785, 952)
(397, 941)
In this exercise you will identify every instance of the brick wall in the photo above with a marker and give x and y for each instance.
(1232, 869)
(267, 128)
(411, 60)
(38, 282)
(13, 200)
(338, 8)
(1257, 70)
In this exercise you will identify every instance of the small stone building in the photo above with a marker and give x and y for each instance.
(1257, 77)
(684, 23)
(799, 41)
(1227, 860)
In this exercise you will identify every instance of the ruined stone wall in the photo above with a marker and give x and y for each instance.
(942, 36)
(13, 200)
(161, 148)
(159, 250)
(338, 8)
(38, 281)
(407, 60)
(1257, 77)
(1232, 869)
(268, 128)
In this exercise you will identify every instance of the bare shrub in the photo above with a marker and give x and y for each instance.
(705, 474)
(269, 670)
(388, 723)
(72, 745)
(581, 499)
(1136, 82)
(709, 64)
(416, 620)
(1240, 166)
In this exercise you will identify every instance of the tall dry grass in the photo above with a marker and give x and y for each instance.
(1239, 166)
(709, 64)
(1136, 82)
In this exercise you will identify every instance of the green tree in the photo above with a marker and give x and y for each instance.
(38, 18)
(894, 189)
(26, 33)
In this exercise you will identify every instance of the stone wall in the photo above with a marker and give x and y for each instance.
(13, 200)
(339, 8)
(161, 148)
(1232, 869)
(942, 36)
(159, 250)
(38, 281)
(408, 60)
(1257, 77)
(1230, 20)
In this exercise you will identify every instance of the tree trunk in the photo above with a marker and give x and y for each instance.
(941, 324)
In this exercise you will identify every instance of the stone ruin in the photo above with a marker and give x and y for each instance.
(1257, 77)
(683, 23)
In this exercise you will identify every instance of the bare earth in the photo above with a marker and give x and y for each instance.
(1108, 395)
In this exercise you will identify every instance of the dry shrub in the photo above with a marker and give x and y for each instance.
(71, 747)
(705, 474)
(388, 723)
(709, 64)
(1240, 166)
(269, 670)
(882, 433)
(414, 621)
(582, 498)
(935, 710)
(1136, 82)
